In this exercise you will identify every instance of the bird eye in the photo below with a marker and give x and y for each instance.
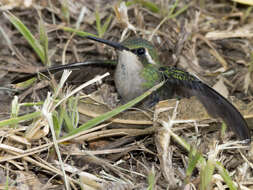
(140, 51)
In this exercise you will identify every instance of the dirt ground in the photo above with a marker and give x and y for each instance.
(211, 39)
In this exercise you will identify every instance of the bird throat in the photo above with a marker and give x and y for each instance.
(128, 76)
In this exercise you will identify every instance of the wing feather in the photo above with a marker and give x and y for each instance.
(216, 105)
(71, 66)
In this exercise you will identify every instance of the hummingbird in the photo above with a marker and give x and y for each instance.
(138, 70)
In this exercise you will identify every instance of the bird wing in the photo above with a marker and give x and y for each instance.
(71, 66)
(217, 106)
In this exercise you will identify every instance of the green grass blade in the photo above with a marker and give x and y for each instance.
(173, 7)
(27, 35)
(98, 24)
(102, 29)
(151, 180)
(192, 163)
(106, 25)
(44, 40)
(184, 8)
(57, 125)
(147, 4)
(225, 175)
(78, 32)
(25, 84)
(20, 119)
(97, 120)
(65, 11)
(206, 175)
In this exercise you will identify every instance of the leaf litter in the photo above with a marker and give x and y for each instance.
(131, 151)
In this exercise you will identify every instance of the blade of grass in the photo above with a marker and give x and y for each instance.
(72, 116)
(65, 11)
(57, 123)
(97, 120)
(26, 84)
(102, 29)
(225, 175)
(169, 16)
(14, 109)
(98, 24)
(31, 103)
(27, 35)
(78, 32)
(70, 113)
(206, 175)
(247, 13)
(173, 8)
(44, 39)
(202, 161)
(106, 25)
(47, 114)
(19, 119)
(151, 179)
(147, 4)
(192, 163)
(68, 123)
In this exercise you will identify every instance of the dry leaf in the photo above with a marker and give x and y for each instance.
(27, 180)
(247, 81)
(246, 2)
(38, 130)
(221, 88)
(242, 32)
(122, 17)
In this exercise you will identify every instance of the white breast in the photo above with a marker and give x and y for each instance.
(128, 79)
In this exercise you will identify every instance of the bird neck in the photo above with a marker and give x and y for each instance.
(151, 75)
(132, 77)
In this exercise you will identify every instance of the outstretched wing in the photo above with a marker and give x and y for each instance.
(216, 105)
(71, 66)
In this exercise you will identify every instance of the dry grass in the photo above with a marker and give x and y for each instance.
(174, 146)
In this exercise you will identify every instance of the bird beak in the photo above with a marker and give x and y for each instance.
(115, 45)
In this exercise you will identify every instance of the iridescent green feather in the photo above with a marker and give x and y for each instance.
(151, 75)
(174, 73)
